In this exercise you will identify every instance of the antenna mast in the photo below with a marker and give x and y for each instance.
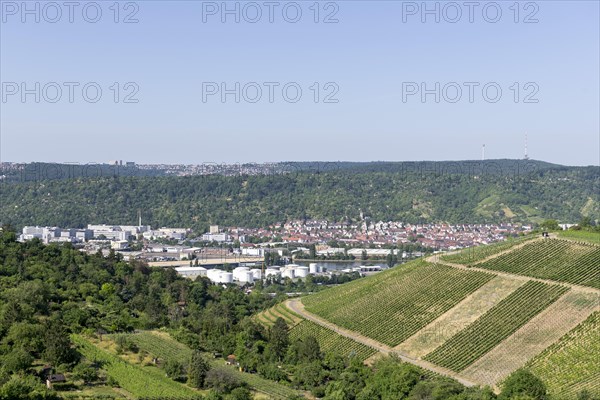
(483, 152)
(526, 155)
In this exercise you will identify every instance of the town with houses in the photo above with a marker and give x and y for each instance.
(212, 254)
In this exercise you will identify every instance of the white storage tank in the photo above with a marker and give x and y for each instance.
(272, 272)
(256, 273)
(226, 277)
(301, 272)
(240, 273)
(246, 277)
(288, 272)
(313, 268)
(214, 275)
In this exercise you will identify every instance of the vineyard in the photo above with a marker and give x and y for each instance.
(330, 341)
(140, 381)
(161, 345)
(393, 305)
(505, 318)
(268, 317)
(472, 255)
(555, 259)
(571, 365)
(586, 236)
(158, 344)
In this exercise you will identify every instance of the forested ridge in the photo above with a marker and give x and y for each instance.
(442, 193)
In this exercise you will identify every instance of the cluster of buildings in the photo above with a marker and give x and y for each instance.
(438, 236)
(119, 235)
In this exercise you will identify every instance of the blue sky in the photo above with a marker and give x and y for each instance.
(370, 61)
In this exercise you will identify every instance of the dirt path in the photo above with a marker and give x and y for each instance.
(296, 306)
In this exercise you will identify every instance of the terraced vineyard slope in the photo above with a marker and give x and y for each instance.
(331, 342)
(542, 331)
(472, 255)
(555, 259)
(393, 305)
(140, 381)
(268, 317)
(571, 365)
(497, 324)
(161, 345)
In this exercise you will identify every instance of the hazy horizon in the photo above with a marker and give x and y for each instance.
(212, 162)
(189, 82)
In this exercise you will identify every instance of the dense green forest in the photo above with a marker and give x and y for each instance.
(451, 192)
(56, 302)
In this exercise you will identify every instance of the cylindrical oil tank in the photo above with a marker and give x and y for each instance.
(256, 273)
(301, 272)
(226, 277)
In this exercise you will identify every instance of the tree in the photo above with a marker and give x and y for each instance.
(241, 393)
(550, 224)
(222, 380)
(17, 360)
(26, 388)
(312, 252)
(197, 370)
(174, 369)
(279, 338)
(392, 379)
(58, 344)
(585, 222)
(523, 383)
(310, 349)
(86, 372)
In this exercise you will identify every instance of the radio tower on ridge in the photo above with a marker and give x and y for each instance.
(526, 155)
(483, 152)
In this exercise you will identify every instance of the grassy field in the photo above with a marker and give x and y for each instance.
(163, 346)
(137, 380)
(494, 326)
(393, 305)
(571, 365)
(556, 259)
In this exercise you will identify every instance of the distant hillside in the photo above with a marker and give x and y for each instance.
(455, 192)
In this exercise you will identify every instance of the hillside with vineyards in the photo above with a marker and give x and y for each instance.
(481, 314)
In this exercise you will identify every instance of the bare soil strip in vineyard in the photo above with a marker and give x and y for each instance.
(459, 317)
(532, 338)
(297, 307)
